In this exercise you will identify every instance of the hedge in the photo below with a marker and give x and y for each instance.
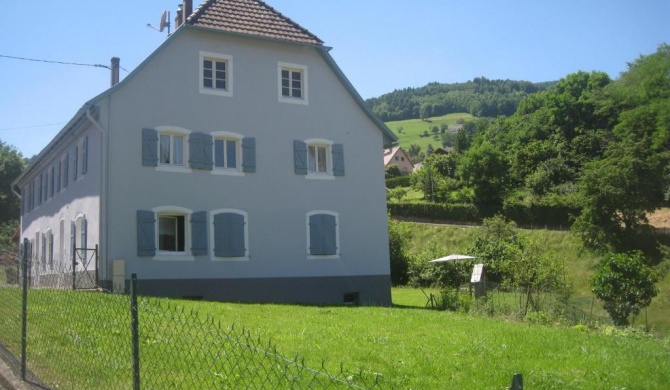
(435, 211)
(400, 181)
(522, 214)
(541, 214)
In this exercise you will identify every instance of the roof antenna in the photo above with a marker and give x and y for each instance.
(165, 22)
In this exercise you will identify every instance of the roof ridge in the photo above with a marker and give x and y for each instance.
(306, 31)
(251, 17)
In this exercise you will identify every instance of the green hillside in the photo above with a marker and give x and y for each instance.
(409, 131)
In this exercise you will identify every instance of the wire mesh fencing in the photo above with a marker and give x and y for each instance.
(92, 339)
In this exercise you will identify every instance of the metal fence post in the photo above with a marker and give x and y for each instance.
(24, 308)
(134, 324)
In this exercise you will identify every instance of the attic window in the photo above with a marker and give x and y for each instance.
(292, 83)
(216, 74)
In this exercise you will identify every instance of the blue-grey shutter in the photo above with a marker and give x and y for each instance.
(338, 159)
(58, 176)
(322, 234)
(39, 195)
(200, 151)
(84, 233)
(73, 238)
(76, 163)
(229, 235)
(300, 157)
(84, 157)
(66, 169)
(249, 154)
(146, 233)
(149, 147)
(199, 233)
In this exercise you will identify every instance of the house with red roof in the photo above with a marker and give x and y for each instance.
(397, 156)
(235, 163)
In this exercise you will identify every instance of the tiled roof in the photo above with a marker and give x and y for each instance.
(252, 17)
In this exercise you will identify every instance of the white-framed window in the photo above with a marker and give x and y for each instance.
(230, 234)
(216, 74)
(293, 84)
(323, 235)
(173, 237)
(173, 148)
(318, 158)
(227, 153)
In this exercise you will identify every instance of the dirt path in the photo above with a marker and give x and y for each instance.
(660, 218)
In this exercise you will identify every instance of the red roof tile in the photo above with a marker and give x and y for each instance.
(252, 17)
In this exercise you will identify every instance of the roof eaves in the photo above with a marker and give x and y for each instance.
(81, 113)
(72, 126)
(388, 134)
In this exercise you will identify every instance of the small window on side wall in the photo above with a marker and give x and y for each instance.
(216, 72)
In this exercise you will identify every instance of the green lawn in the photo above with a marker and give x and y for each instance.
(412, 128)
(79, 336)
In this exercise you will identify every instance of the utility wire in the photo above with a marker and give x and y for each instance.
(31, 127)
(61, 62)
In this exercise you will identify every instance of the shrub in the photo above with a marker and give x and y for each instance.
(435, 211)
(398, 257)
(400, 181)
(625, 285)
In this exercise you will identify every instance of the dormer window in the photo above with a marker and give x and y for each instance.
(216, 74)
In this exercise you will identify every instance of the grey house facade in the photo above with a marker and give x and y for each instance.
(236, 163)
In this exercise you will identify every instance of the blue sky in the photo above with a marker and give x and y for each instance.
(381, 45)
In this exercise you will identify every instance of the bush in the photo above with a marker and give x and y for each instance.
(540, 213)
(398, 257)
(450, 299)
(435, 211)
(625, 285)
(400, 181)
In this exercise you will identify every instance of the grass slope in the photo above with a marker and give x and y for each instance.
(412, 128)
(579, 266)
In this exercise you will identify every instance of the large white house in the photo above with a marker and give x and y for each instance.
(235, 163)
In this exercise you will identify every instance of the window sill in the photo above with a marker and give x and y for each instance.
(224, 259)
(173, 168)
(173, 256)
(292, 100)
(320, 176)
(227, 172)
(216, 92)
(324, 257)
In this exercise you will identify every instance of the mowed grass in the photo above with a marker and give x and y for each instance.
(411, 347)
(412, 128)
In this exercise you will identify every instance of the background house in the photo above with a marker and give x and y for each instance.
(397, 156)
(235, 163)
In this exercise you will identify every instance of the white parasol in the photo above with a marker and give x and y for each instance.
(452, 258)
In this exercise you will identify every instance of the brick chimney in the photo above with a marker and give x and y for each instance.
(178, 19)
(187, 9)
(116, 64)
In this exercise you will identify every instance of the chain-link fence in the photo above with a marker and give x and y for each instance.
(90, 339)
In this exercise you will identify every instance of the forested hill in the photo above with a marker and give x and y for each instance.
(480, 97)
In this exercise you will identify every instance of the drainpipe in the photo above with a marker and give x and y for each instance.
(95, 123)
